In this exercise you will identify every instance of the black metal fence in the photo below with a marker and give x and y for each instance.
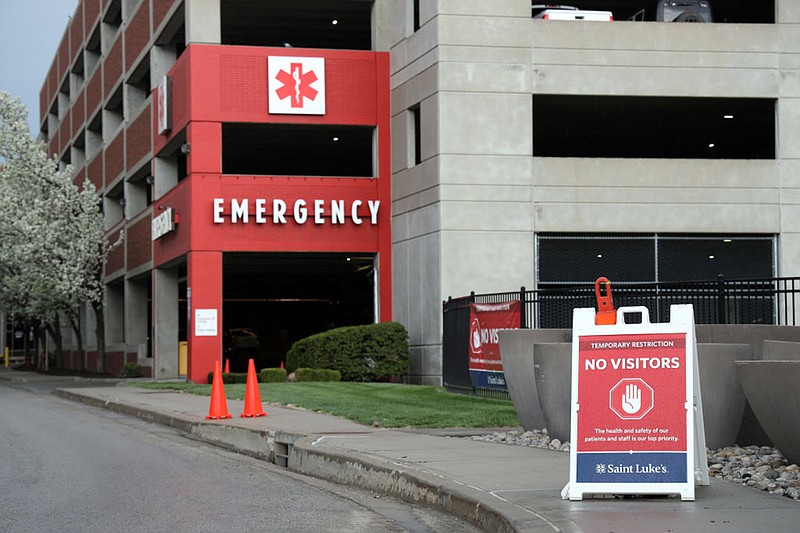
(720, 301)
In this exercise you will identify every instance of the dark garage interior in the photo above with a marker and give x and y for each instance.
(271, 300)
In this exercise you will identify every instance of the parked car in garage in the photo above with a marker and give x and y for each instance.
(562, 12)
(240, 344)
(684, 11)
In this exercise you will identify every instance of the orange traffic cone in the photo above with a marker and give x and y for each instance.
(252, 395)
(227, 366)
(219, 405)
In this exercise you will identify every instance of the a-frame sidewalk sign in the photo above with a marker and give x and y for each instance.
(636, 408)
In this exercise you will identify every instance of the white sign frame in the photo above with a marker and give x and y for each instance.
(162, 224)
(682, 322)
(164, 107)
(282, 69)
(205, 323)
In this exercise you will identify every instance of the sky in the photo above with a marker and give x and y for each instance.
(30, 32)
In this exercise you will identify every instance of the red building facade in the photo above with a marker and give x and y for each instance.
(212, 156)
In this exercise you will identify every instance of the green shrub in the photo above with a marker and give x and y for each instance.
(272, 375)
(229, 377)
(317, 374)
(374, 352)
(132, 370)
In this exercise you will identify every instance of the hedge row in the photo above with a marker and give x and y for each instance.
(272, 375)
(278, 375)
(374, 352)
(317, 374)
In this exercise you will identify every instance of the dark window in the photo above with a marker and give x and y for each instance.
(416, 118)
(653, 127)
(344, 24)
(297, 150)
(571, 259)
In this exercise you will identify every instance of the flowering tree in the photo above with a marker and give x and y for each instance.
(52, 243)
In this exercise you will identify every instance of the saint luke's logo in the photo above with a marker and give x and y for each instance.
(296, 85)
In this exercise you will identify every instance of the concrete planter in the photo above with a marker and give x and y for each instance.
(723, 397)
(553, 372)
(517, 352)
(771, 389)
(538, 371)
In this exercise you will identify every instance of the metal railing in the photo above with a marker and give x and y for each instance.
(720, 301)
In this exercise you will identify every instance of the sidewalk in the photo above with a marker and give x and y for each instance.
(498, 487)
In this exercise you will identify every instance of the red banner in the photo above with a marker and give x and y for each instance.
(486, 320)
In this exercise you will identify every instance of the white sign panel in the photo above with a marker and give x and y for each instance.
(205, 323)
(164, 108)
(637, 423)
(296, 85)
(162, 224)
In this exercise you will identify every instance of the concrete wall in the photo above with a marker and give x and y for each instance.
(466, 217)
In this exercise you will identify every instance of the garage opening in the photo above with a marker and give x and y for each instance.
(297, 150)
(568, 259)
(271, 300)
(653, 127)
(344, 24)
(722, 11)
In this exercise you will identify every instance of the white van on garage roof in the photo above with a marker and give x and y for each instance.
(562, 12)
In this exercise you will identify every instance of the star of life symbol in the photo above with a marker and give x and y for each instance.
(296, 85)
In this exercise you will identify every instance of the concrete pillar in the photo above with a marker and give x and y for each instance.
(161, 60)
(165, 323)
(136, 323)
(204, 329)
(203, 24)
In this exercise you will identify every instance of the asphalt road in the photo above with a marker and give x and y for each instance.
(68, 467)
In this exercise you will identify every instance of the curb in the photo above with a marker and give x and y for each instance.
(299, 453)
(391, 479)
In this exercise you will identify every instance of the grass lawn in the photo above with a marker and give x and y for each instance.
(392, 405)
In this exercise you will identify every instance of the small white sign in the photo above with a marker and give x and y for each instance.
(296, 85)
(162, 224)
(164, 109)
(205, 323)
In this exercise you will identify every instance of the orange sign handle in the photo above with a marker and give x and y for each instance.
(606, 314)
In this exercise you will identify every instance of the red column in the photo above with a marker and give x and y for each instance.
(383, 113)
(204, 285)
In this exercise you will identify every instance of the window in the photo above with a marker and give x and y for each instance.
(297, 150)
(415, 134)
(322, 24)
(653, 127)
(574, 259)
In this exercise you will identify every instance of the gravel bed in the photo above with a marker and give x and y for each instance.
(759, 467)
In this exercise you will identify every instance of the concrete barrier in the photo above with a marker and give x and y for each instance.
(517, 355)
(781, 351)
(723, 396)
(771, 389)
(537, 365)
(553, 371)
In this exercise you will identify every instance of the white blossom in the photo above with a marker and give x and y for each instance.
(52, 240)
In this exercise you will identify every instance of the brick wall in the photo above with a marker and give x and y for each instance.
(115, 158)
(137, 34)
(78, 113)
(112, 67)
(94, 91)
(138, 242)
(138, 138)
